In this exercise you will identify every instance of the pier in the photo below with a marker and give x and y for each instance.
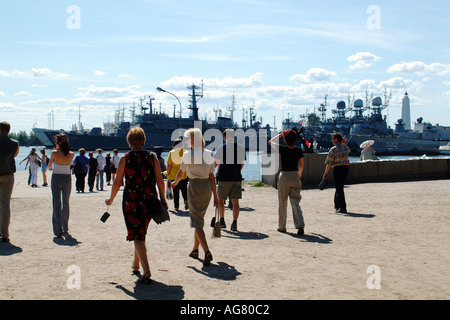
(415, 169)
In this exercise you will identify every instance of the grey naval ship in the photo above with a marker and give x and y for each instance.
(423, 138)
(160, 128)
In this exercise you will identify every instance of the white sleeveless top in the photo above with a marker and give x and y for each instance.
(61, 168)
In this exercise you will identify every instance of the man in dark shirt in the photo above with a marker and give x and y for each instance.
(9, 149)
(230, 157)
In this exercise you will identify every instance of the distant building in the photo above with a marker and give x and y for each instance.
(406, 111)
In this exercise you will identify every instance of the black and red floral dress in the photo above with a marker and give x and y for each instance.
(140, 188)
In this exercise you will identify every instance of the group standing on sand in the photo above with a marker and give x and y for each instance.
(190, 171)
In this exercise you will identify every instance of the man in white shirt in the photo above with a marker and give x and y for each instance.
(100, 169)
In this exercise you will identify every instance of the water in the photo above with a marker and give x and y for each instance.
(250, 172)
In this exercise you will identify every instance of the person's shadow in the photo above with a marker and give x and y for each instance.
(244, 235)
(154, 291)
(220, 271)
(313, 238)
(8, 249)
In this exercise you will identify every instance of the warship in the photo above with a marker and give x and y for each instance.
(160, 128)
(424, 138)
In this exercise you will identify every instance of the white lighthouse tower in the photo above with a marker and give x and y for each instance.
(406, 111)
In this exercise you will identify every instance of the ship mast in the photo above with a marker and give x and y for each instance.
(194, 96)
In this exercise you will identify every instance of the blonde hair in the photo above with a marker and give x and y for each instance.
(136, 138)
(197, 136)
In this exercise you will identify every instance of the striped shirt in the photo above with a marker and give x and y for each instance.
(338, 156)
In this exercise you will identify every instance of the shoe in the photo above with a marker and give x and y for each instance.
(341, 211)
(208, 259)
(301, 231)
(234, 226)
(194, 254)
(146, 278)
(186, 207)
(135, 270)
(223, 225)
(5, 239)
(176, 208)
(281, 230)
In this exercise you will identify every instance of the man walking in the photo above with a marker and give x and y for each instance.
(230, 158)
(9, 149)
(338, 160)
(101, 161)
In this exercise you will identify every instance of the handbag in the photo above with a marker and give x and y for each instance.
(158, 211)
(217, 230)
(323, 184)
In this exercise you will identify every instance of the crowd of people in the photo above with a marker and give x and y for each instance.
(191, 170)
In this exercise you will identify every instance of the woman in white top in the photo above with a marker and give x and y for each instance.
(198, 162)
(61, 184)
(32, 158)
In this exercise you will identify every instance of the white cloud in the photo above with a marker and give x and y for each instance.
(313, 75)
(15, 73)
(37, 85)
(46, 72)
(362, 60)
(23, 94)
(2, 93)
(99, 73)
(181, 82)
(420, 68)
(124, 76)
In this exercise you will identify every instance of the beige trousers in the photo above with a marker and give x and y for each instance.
(289, 186)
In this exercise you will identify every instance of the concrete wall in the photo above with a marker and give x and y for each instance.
(371, 171)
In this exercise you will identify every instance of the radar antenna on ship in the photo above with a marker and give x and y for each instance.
(323, 109)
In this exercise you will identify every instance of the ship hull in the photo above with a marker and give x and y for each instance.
(396, 145)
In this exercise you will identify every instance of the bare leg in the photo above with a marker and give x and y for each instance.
(141, 252)
(236, 208)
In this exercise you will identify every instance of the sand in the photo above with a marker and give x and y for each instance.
(393, 244)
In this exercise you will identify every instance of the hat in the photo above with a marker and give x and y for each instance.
(91, 154)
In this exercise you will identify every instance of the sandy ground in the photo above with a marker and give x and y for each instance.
(396, 235)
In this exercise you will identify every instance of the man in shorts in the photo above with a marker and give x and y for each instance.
(230, 158)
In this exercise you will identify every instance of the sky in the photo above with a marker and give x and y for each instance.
(279, 57)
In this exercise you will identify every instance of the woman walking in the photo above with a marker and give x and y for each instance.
(289, 181)
(173, 165)
(44, 167)
(199, 164)
(142, 173)
(61, 184)
(33, 159)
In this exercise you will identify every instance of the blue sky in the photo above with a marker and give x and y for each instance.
(279, 56)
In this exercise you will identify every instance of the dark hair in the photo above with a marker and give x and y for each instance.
(290, 136)
(63, 141)
(337, 136)
(5, 127)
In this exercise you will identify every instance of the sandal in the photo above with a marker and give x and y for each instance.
(194, 254)
(146, 278)
(135, 270)
(208, 259)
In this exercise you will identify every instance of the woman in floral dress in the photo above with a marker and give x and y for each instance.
(142, 173)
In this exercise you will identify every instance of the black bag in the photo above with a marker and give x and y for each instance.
(158, 211)
(323, 184)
